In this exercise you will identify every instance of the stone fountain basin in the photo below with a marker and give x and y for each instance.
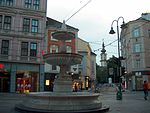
(62, 102)
(63, 58)
(63, 35)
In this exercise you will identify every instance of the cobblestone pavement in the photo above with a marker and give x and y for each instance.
(132, 102)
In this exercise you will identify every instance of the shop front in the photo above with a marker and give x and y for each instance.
(26, 82)
(21, 78)
(49, 81)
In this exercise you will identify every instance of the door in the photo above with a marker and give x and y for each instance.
(4, 84)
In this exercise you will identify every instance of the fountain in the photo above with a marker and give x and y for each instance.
(62, 99)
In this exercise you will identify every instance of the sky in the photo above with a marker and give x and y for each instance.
(95, 19)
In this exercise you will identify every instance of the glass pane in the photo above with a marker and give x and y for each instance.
(24, 49)
(5, 47)
(34, 25)
(33, 45)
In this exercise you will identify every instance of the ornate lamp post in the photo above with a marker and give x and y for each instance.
(119, 93)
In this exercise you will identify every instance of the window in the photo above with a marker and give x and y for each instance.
(24, 49)
(7, 22)
(6, 2)
(53, 49)
(68, 49)
(9, 2)
(137, 63)
(28, 3)
(26, 24)
(136, 32)
(34, 26)
(1, 21)
(137, 48)
(36, 4)
(33, 49)
(5, 47)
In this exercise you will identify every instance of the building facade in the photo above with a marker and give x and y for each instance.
(135, 47)
(87, 68)
(22, 32)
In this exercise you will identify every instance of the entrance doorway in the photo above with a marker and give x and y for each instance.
(4, 82)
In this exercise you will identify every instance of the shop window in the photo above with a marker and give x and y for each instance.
(47, 83)
(33, 49)
(7, 22)
(24, 49)
(5, 47)
(26, 25)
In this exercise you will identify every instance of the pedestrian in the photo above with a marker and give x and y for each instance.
(76, 89)
(145, 88)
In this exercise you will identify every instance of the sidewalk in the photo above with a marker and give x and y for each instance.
(132, 102)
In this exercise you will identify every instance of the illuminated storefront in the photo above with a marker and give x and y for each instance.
(21, 78)
(49, 81)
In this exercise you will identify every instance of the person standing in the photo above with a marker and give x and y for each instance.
(145, 88)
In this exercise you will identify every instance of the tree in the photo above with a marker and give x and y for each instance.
(101, 74)
(113, 63)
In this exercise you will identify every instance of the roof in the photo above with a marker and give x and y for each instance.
(56, 24)
(139, 19)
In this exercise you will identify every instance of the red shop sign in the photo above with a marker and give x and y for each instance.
(1, 66)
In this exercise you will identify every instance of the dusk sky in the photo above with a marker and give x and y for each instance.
(94, 20)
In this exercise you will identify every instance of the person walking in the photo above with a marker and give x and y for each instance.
(145, 88)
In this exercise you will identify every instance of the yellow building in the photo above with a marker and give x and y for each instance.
(87, 68)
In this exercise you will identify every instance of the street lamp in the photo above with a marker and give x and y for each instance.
(118, 36)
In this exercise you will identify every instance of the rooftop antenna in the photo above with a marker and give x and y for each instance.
(78, 10)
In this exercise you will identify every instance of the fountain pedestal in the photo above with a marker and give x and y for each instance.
(63, 84)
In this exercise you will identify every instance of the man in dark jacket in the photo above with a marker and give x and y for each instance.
(145, 88)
